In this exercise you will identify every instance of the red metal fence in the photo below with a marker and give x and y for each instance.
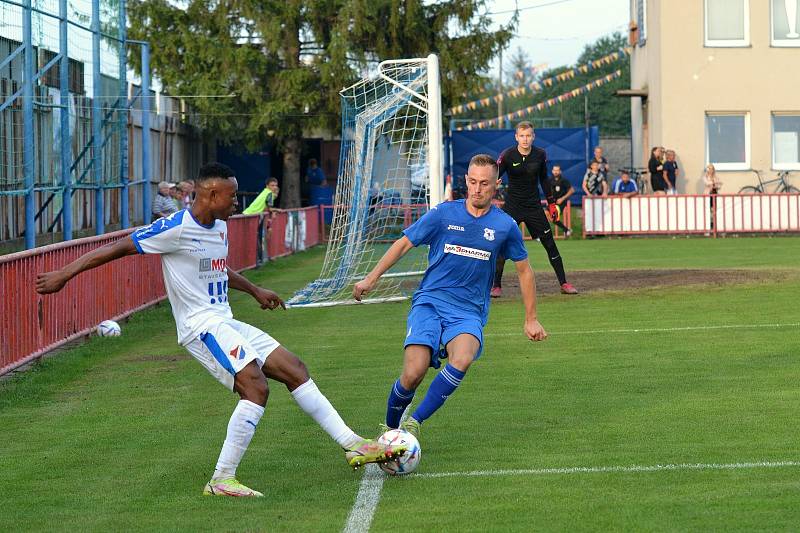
(31, 325)
(692, 214)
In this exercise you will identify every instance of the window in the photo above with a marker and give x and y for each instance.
(785, 16)
(727, 22)
(786, 141)
(728, 140)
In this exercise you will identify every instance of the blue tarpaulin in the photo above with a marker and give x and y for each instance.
(565, 146)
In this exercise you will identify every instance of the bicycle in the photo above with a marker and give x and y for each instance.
(637, 175)
(782, 180)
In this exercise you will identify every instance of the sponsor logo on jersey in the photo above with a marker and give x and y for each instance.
(474, 253)
(515, 164)
(488, 234)
(207, 264)
(237, 353)
(455, 228)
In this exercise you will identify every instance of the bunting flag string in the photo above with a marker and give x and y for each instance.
(599, 82)
(539, 85)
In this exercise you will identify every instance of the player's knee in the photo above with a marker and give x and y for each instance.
(412, 377)
(297, 373)
(461, 360)
(251, 385)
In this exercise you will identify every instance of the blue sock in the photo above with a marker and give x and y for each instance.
(399, 398)
(443, 385)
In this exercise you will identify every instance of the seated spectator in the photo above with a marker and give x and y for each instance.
(562, 190)
(602, 162)
(163, 204)
(265, 201)
(594, 184)
(315, 175)
(671, 170)
(624, 186)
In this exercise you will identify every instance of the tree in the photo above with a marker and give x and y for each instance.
(285, 61)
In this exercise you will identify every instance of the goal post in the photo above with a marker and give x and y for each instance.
(390, 173)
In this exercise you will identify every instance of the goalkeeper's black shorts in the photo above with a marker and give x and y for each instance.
(533, 217)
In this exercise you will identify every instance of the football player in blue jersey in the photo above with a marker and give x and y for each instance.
(451, 306)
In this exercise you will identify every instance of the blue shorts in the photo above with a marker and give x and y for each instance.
(435, 325)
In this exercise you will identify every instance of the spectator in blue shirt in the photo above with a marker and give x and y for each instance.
(315, 175)
(624, 186)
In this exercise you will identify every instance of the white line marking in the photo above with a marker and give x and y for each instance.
(612, 469)
(658, 330)
(367, 499)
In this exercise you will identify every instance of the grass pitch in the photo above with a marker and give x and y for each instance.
(121, 434)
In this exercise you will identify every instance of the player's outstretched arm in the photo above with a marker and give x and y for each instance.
(50, 282)
(400, 247)
(265, 297)
(527, 284)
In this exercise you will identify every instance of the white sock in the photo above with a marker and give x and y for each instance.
(241, 428)
(317, 406)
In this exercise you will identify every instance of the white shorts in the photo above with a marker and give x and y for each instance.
(228, 346)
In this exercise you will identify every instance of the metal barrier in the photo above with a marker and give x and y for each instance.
(700, 214)
(31, 325)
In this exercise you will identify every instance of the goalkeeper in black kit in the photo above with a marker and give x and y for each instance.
(526, 167)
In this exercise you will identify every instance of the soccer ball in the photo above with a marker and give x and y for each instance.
(109, 328)
(408, 462)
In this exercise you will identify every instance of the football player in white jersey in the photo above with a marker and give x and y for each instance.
(193, 244)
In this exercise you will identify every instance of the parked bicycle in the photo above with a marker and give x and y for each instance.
(637, 174)
(782, 181)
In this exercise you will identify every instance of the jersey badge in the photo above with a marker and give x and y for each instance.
(488, 234)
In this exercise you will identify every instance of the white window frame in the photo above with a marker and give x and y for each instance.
(782, 43)
(781, 166)
(730, 166)
(727, 43)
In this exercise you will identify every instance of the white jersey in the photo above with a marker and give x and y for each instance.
(194, 261)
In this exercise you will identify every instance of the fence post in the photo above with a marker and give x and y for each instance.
(146, 132)
(66, 141)
(97, 123)
(27, 127)
(122, 116)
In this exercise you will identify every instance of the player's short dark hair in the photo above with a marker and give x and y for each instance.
(483, 160)
(211, 171)
(524, 125)
(272, 180)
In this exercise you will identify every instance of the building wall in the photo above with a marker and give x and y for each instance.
(686, 80)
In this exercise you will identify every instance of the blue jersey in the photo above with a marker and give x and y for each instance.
(621, 187)
(463, 251)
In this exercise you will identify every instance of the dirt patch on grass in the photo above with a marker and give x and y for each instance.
(588, 281)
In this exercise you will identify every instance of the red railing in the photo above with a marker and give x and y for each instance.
(691, 214)
(293, 230)
(31, 325)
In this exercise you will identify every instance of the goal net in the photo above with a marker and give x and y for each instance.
(390, 172)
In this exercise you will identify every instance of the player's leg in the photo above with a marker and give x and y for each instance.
(287, 368)
(538, 226)
(235, 363)
(461, 351)
(423, 337)
(416, 360)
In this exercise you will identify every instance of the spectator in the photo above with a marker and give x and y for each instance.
(711, 181)
(186, 188)
(671, 171)
(562, 190)
(177, 195)
(602, 162)
(624, 186)
(594, 184)
(265, 201)
(315, 175)
(163, 204)
(656, 168)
